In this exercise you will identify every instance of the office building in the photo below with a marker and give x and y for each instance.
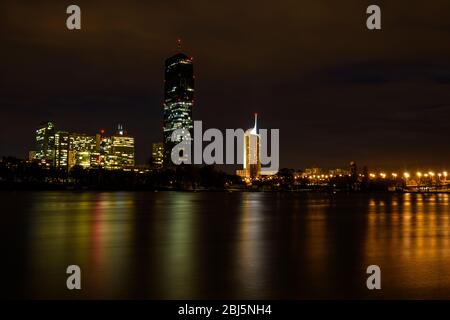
(120, 154)
(61, 149)
(45, 144)
(178, 100)
(157, 155)
(62, 143)
(82, 146)
(251, 153)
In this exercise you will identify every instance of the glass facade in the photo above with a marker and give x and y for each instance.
(157, 155)
(62, 149)
(121, 154)
(62, 142)
(45, 144)
(178, 100)
(82, 146)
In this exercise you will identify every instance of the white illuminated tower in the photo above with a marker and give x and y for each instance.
(251, 153)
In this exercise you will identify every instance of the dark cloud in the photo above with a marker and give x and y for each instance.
(388, 71)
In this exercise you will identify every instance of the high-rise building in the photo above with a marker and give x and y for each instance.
(82, 146)
(157, 155)
(252, 149)
(178, 100)
(62, 143)
(62, 149)
(45, 144)
(105, 149)
(98, 156)
(121, 154)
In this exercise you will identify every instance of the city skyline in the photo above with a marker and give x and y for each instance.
(64, 150)
(47, 152)
(380, 99)
(225, 158)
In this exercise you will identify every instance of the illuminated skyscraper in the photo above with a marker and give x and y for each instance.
(98, 156)
(252, 148)
(157, 155)
(121, 154)
(62, 150)
(81, 148)
(178, 99)
(45, 144)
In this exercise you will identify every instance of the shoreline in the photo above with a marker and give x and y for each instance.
(201, 190)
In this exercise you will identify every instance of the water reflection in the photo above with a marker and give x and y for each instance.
(176, 254)
(91, 230)
(251, 258)
(172, 245)
(409, 235)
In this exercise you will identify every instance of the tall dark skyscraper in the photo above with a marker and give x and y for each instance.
(178, 99)
(45, 143)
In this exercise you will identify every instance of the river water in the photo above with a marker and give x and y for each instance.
(217, 245)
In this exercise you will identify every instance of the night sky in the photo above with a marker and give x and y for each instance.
(337, 91)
